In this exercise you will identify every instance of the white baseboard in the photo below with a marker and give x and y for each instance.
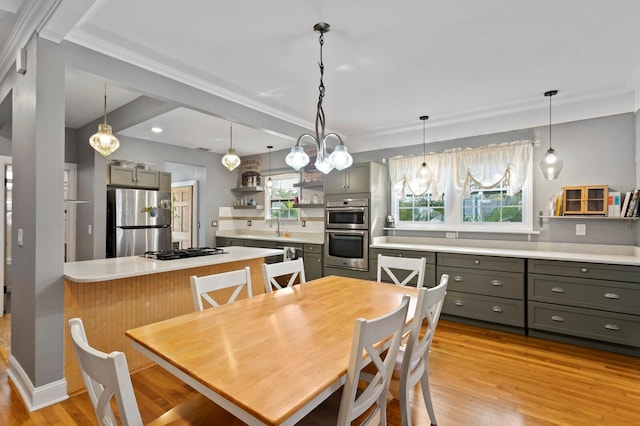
(35, 398)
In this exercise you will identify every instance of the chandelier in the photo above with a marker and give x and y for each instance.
(325, 162)
(103, 141)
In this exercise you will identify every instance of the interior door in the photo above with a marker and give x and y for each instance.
(182, 231)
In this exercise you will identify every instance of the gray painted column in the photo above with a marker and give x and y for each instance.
(37, 338)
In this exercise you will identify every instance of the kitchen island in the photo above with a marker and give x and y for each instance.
(114, 295)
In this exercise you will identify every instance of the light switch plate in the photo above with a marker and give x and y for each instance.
(581, 229)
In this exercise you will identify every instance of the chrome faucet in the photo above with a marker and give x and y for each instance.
(278, 223)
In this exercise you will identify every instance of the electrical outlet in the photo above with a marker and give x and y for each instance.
(248, 223)
(304, 223)
(214, 223)
(581, 229)
(451, 235)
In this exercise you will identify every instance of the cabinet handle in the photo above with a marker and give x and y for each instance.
(319, 260)
(458, 279)
(477, 262)
(497, 309)
(557, 318)
(611, 296)
(459, 303)
(496, 283)
(585, 270)
(557, 290)
(613, 327)
(400, 255)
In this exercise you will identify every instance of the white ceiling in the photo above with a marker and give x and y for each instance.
(465, 63)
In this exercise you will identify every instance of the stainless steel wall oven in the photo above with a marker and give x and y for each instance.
(347, 234)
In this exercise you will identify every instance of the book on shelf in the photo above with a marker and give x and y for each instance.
(558, 211)
(613, 207)
(632, 210)
(625, 204)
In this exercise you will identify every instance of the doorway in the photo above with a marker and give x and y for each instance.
(184, 196)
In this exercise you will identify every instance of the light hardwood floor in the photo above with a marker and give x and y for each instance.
(479, 377)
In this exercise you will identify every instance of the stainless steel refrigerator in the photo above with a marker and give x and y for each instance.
(138, 221)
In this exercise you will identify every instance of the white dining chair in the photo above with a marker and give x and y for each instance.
(271, 272)
(390, 263)
(106, 375)
(364, 397)
(201, 287)
(412, 363)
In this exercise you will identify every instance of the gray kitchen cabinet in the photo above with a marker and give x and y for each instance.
(227, 242)
(484, 288)
(312, 258)
(597, 302)
(164, 181)
(430, 278)
(355, 179)
(260, 243)
(133, 177)
(312, 266)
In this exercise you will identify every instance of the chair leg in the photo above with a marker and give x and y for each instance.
(404, 399)
(426, 394)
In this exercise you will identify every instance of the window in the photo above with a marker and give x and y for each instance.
(474, 184)
(420, 208)
(283, 196)
(492, 205)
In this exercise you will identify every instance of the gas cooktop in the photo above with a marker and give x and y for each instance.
(183, 253)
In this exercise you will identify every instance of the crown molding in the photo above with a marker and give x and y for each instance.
(31, 20)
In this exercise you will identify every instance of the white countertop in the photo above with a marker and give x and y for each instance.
(596, 253)
(124, 267)
(294, 237)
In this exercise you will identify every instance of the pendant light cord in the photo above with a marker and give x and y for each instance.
(550, 121)
(230, 135)
(105, 103)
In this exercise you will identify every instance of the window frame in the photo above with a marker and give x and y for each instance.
(268, 192)
(453, 212)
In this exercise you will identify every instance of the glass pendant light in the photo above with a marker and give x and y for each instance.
(231, 159)
(424, 172)
(269, 181)
(104, 142)
(551, 164)
(340, 158)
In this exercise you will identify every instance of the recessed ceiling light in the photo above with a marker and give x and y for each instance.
(156, 129)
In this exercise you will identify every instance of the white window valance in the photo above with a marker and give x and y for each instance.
(488, 166)
(403, 172)
(485, 166)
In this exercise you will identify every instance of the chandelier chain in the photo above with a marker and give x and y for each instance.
(320, 119)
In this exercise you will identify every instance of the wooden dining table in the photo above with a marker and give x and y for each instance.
(272, 358)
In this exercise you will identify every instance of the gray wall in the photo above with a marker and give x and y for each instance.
(595, 151)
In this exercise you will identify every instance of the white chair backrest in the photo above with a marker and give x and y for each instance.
(417, 266)
(274, 270)
(367, 337)
(202, 286)
(105, 376)
(415, 361)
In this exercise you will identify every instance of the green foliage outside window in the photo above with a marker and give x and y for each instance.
(493, 205)
(420, 208)
(283, 196)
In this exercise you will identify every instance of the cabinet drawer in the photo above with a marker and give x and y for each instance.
(488, 283)
(599, 271)
(586, 323)
(493, 263)
(604, 295)
(485, 308)
(260, 243)
(430, 256)
(226, 242)
(313, 248)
